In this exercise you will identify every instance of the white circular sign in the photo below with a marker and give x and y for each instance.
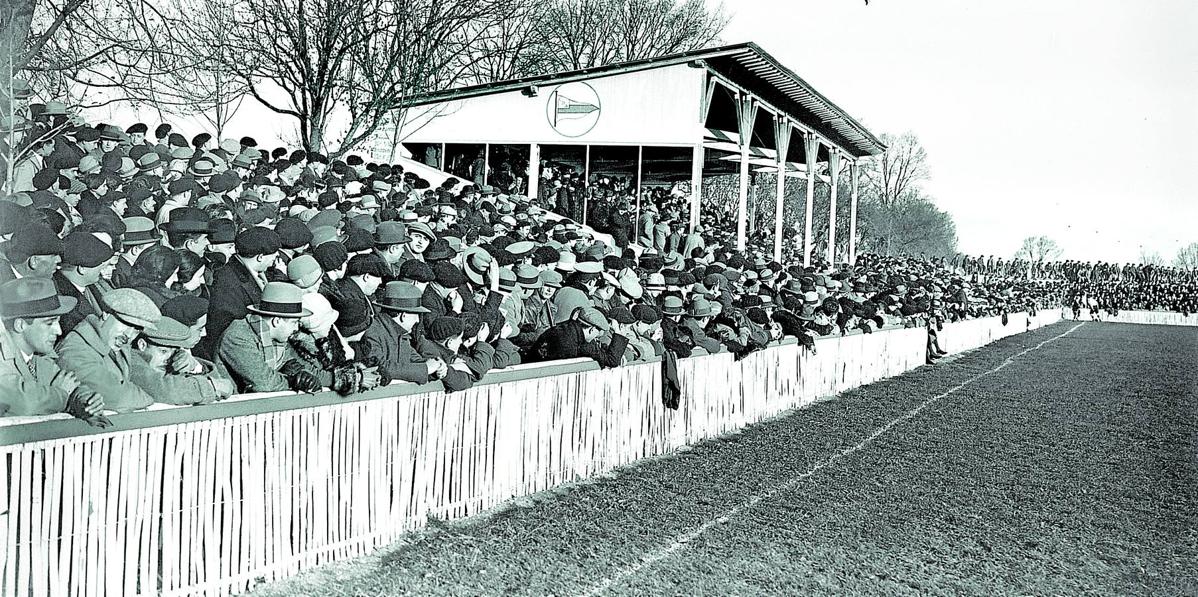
(573, 109)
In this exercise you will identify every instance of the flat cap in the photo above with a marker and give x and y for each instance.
(84, 249)
(368, 264)
(256, 241)
(132, 307)
(293, 234)
(304, 271)
(33, 240)
(170, 333)
(593, 317)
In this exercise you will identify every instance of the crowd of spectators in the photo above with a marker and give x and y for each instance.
(143, 267)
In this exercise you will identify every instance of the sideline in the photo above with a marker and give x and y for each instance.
(681, 541)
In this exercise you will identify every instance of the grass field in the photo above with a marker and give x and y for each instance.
(1059, 462)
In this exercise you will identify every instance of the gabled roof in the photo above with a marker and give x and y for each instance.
(745, 65)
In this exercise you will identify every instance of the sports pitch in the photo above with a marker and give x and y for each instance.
(1058, 462)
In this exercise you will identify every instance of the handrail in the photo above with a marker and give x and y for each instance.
(26, 429)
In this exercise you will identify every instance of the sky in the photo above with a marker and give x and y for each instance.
(1073, 119)
(1077, 120)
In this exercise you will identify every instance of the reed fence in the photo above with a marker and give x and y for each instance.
(211, 500)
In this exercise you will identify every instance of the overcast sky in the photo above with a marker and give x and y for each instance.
(1073, 119)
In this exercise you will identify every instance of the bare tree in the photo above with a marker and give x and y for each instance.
(1148, 257)
(577, 34)
(1187, 257)
(1038, 248)
(899, 170)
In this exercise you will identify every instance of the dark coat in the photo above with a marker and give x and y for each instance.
(83, 307)
(233, 289)
(391, 348)
(454, 380)
(567, 341)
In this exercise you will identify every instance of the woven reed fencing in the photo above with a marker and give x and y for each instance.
(212, 499)
(1142, 317)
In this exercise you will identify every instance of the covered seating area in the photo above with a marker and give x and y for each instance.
(684, 117)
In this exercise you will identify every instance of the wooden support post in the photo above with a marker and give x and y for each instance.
(811, 153)
(854, 173)
(640, 156)
(486, 161)
(746, 108)
(534, 172)
(443, 158)
(834, 168)
(697, 158)
(586, 185)
(782, 143)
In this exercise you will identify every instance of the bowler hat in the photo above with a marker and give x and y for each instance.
(33, 297)
(402, 297)
(280, 299)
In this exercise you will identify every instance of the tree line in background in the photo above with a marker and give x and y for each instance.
(337, 68)
(894, 214)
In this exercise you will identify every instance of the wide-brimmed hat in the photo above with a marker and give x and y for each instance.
(33, 297)
(477, 265)
(672, 305)
(139, 230)
(280, 299)
(401, 297)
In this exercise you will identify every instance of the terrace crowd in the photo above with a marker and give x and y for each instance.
(140, 267)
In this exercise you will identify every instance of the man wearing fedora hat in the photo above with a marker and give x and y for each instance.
(388, 339)
(31, 381)
(140, 234)
(696, 320)
(255, 349)
(391, 246)
(98, 350)
(172, 375)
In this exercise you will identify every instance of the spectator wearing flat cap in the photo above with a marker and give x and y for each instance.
(34, 251)
(98, 351)
(442, 340)
(171, 374)
(294, 238)
(31, 381)
(84, 258)
(256, 351)
(578, 337)
(363, 276)
(389, 338)
(238, 284)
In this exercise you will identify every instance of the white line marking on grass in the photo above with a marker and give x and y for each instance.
(681, 541)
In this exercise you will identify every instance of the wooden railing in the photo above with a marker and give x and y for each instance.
(213, 499)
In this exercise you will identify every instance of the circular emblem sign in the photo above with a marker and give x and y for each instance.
(573, 109)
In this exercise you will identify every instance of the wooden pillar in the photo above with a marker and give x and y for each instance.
(443, 158)
(640, 155)
(782, 143)
(534, 172)
(697, 157)
(811, 153)
(854, 172)
(486, 161)
(746, 109)
(586, 185)
(834, 168)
